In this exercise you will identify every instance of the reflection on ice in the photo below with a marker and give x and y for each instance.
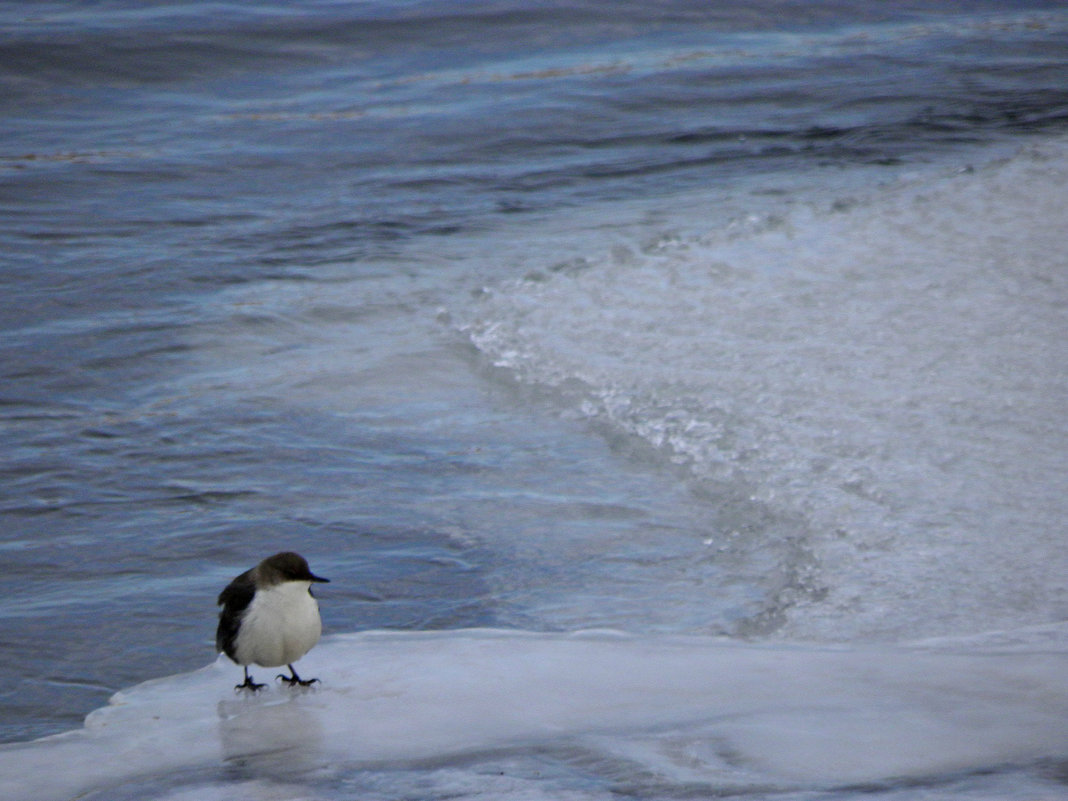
(589, 713)
(275, 739)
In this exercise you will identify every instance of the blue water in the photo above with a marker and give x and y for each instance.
(238, 251)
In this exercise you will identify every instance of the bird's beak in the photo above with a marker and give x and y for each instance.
(319, 578)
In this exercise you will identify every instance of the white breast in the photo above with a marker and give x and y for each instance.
(280, 625)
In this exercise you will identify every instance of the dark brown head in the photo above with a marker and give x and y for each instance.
(285, 566)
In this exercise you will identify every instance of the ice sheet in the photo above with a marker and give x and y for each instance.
(885, 364)
(686, 710)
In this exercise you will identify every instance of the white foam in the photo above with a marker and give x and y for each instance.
(887, 366)
(684, 710)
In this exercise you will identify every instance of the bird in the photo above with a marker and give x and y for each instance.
(270, 618)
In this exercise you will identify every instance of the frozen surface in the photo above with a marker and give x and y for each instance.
(886, 364)
(596, 712)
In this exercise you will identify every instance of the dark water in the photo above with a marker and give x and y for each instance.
(178, 125)
(230, 240)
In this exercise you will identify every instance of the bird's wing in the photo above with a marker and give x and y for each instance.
(234, 601)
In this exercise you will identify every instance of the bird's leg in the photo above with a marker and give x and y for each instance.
(249, 683)
(295, 679)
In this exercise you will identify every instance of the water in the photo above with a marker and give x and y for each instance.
(741, 323)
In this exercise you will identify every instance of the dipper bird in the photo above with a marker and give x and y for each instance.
(269, 617)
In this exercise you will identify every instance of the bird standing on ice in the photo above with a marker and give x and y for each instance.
(269, 617)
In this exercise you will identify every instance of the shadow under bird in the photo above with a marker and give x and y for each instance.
(270, 618)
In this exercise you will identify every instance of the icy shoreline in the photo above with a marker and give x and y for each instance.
(886, 368)
(685, 709)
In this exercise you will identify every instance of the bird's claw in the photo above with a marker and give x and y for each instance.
(295, 680)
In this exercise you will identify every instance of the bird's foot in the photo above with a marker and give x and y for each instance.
(249, 685)
(295, 680)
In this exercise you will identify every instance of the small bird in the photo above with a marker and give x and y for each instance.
(269, 617)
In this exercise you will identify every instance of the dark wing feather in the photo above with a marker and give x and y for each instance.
(234, 601)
